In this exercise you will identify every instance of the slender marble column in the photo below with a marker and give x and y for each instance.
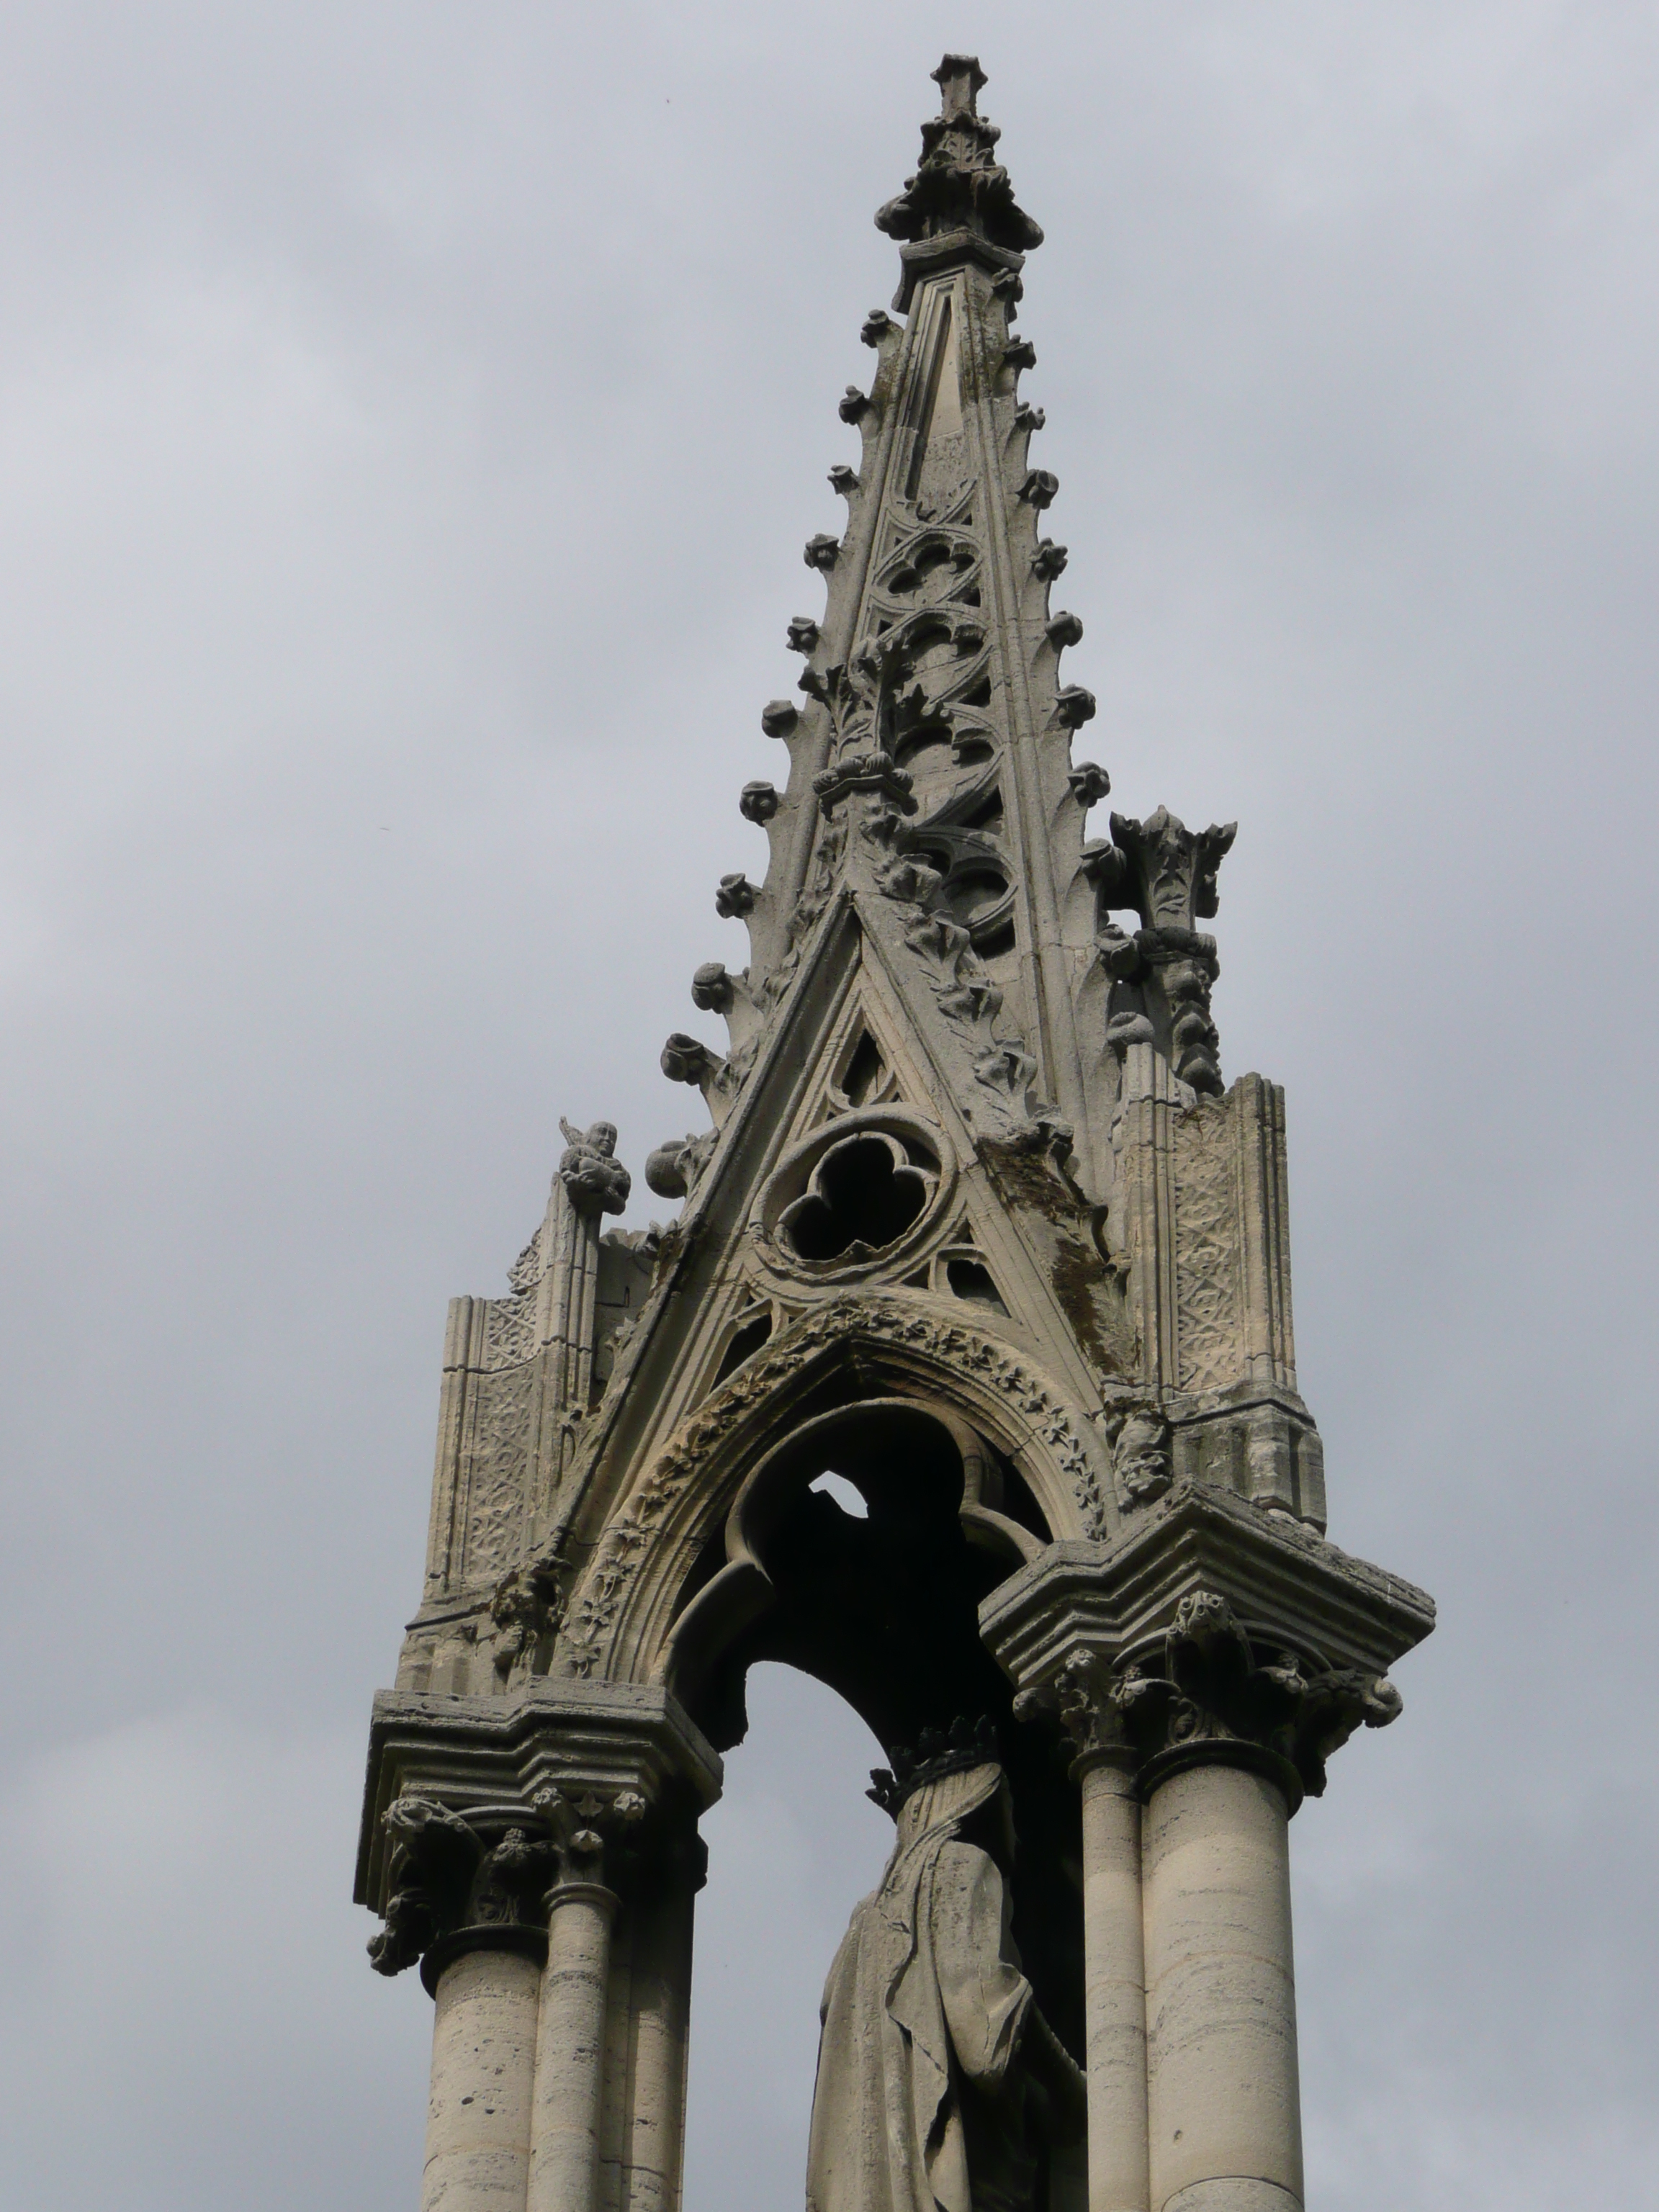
(1115, 1982)
(1224, 2100)
(569, 2084)
(484, 2052)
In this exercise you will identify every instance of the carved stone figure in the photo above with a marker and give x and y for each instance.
(936, 2069)
(596, 1179)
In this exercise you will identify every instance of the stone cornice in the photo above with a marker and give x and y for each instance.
(498, 1765)
(1284, 1582)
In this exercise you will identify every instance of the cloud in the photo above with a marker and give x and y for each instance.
(409, 424)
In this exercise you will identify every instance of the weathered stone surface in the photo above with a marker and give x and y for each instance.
(975, 1225)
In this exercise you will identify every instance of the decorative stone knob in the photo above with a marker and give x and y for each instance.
(735, 896)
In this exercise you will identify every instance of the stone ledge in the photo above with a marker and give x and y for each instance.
(1284, 1583)
(473, 1752)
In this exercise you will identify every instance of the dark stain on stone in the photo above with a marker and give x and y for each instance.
(1027, 1177)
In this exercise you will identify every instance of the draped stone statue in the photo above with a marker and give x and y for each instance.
(936, 2070)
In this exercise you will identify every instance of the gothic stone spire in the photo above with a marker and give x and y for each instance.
(977, 1223)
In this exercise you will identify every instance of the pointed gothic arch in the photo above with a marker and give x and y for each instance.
(975, 1222)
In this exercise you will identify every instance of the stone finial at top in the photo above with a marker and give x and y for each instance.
(959, 185)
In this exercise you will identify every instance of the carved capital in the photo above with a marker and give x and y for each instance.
(588, 1833)
(1215, 1692)
(457, 1881)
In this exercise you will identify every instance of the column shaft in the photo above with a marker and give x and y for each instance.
(1224, 2101)
(483, 2051)
(1115, 1985)
(662, 2006)
(569, 2080)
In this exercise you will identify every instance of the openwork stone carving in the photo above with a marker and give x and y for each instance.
(1168, 874)
(981, 1362)
(863, 1194)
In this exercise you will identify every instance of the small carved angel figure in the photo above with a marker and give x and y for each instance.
(597, 1181)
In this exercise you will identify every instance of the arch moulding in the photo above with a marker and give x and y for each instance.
(618, 1621)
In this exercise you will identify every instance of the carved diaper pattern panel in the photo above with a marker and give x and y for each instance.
(1208, 1331)
(498, 1472)
(509, 1331)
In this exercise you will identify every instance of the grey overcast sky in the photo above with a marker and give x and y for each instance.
(410, 417)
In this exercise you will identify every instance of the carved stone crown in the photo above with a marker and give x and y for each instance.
(967, 1744)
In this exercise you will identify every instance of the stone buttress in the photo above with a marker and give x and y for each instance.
(975, 1212)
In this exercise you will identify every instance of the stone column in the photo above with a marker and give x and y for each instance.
(1224, 2103)
(1114, 1967)
(1114, 1982)
(569, 2080)
(484, 2051)
(661, 2016)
